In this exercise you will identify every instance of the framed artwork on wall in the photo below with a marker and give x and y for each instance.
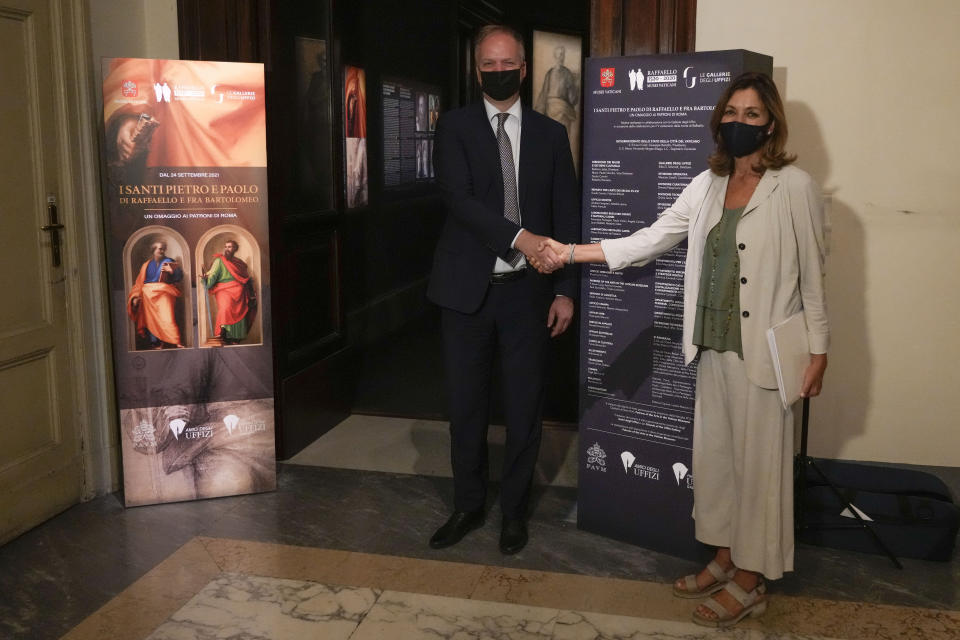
(556, 82)
(355, 136)
(315, 177)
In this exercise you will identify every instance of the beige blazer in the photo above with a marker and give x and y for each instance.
(781, 246)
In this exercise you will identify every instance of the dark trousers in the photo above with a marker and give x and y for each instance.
(511, 322)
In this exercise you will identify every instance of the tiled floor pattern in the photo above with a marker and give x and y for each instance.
(214, 588)
(346, 532)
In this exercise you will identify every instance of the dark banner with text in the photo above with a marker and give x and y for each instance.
(646, 135)
(185, 191)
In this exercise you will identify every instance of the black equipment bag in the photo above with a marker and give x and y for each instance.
(910, 526)
(879, 479)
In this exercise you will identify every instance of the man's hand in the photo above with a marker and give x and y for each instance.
(560, 315)
(135, 303)
(562, 251)
(537, 253)
(813, 376)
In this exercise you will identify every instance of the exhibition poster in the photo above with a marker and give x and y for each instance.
(185, 192)
(646, 135)
(355, 137)
(410, 113)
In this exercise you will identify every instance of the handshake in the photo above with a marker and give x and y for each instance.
(544, 254)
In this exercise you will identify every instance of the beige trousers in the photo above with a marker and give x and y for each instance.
(742, 467)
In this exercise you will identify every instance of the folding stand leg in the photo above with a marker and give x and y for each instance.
(806, 461)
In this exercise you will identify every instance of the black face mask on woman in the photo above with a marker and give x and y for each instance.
(742, 139)
(500, 85)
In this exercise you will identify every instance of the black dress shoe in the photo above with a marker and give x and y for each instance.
(513, 536)
(460, 524)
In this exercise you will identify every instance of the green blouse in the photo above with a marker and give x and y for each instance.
(717, 325)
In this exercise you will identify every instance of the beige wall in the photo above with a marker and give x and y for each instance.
(873, 102)
(133, 29)
(117, 28)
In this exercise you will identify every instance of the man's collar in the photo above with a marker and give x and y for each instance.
(514, 110)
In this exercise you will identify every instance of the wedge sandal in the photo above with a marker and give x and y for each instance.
(691, 590)
(754, 604)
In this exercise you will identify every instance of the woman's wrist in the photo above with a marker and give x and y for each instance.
(587, 253)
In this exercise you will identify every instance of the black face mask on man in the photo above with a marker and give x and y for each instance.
(500, 85)
(741, 139)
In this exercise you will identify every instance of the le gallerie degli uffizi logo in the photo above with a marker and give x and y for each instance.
(180, 430)
(232, 425)
(631, 467)
(144, 435)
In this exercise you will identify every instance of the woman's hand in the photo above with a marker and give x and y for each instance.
(813, 376)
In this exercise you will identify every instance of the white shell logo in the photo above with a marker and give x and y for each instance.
(231, 422)
(176, 426)
(679, 471)
(628, 460)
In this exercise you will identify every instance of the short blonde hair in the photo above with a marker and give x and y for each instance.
(488, 30)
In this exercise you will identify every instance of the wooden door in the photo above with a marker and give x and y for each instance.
(41, 471)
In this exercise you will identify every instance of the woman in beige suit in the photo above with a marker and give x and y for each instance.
(755, 256)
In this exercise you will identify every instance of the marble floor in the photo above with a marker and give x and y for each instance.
(339, 551)
(422, 447)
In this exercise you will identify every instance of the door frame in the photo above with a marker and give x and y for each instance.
(86, 282)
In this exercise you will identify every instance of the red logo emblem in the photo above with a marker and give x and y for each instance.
(608, 77)
(129, 89)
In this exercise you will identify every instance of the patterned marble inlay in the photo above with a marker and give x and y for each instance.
(403, 616)
(575, 625)
(256, 608)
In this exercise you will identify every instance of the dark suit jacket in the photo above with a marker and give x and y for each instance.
(467, 165)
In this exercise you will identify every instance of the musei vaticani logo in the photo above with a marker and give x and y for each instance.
(608, 76)
(596, 458)
(144, 436)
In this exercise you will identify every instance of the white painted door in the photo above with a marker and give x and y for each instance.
(41, 470)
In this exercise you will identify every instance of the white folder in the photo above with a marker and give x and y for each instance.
(790, 350)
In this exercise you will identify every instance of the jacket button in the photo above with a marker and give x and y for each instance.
(742, 246)
(746, 314)
(743, 281)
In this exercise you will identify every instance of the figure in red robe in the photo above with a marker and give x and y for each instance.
(228, 280)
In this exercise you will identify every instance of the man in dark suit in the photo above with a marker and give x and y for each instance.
(508, 180)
